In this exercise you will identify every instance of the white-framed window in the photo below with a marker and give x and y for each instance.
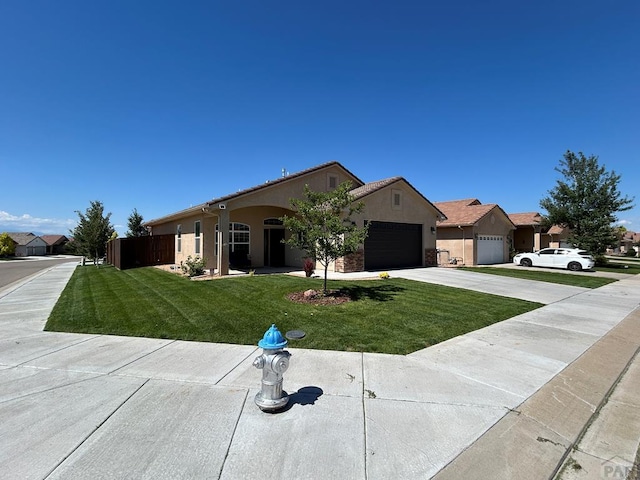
(196, 229)
(179, 235)
(239, 237)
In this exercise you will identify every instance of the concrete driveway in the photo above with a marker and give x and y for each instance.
(541, 292)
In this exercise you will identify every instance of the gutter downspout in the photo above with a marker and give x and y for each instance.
(464, 246)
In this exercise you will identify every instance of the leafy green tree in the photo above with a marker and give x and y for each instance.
(92, 232)
(7, 245)
(322, 226)
(135, 225)
(586, 200)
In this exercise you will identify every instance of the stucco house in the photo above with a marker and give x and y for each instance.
(558, 237)
(244, 229)
(28, 244)
(630, 240)
(473, 233)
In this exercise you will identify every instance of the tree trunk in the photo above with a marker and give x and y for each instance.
(324, 288)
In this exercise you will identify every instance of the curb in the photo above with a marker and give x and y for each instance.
(534, 440)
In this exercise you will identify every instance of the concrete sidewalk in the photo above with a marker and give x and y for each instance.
(508, 401)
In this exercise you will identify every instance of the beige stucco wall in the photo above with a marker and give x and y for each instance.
(459, 244)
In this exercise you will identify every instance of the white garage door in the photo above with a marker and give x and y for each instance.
(490, 249)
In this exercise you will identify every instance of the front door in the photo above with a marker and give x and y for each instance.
(273, 247)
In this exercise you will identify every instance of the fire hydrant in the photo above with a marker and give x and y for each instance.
(274, 361)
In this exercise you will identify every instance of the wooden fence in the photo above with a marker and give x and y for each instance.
(135, 252)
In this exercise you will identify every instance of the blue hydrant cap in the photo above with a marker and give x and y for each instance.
(272, 339)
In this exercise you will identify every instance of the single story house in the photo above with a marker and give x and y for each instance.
(473, 233)
(28, 244)
(630, 240)
(558, 237)
(55, 243)
(244, 230)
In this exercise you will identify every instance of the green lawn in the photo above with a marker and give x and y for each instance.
(389, 316)
(630, 266)
(545, 275)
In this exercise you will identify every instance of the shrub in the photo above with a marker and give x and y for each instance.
(601, 260)
(308, 267)
(7, 245)
(630, 253)
(383, 275)
(193, 267)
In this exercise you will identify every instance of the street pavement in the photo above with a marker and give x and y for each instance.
(535, 396)
(15, 270)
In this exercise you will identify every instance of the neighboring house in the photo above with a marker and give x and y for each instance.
(244, 229)
(28, 244)
(473, 233)
(55, 243)
(630, 240)
(558, 237)
(529, 235)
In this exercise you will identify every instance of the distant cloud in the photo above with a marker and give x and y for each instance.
(624, 222)
(25, 222)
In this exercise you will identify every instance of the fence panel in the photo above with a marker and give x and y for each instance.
(135, 252)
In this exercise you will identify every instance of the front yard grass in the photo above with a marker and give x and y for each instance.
(387, 316)
(631, 267)
(545, 275)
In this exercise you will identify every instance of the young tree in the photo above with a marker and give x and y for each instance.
(7, 245)
(586, 201)
(136, 229)
(322, 226)
(93, 232)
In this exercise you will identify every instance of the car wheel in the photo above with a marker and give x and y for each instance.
(526, 262)
(574, 267)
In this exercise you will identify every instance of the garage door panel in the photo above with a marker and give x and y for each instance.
(393, 245)
(490, 249)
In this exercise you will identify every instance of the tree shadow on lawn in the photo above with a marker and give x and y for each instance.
(378, 293)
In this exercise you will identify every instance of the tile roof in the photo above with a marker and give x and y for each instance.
(463, 212)
(557, 230)
(367, 188)
(22, 238)
(525, 219)
(54, 239)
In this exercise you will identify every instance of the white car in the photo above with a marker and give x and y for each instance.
(572, 259)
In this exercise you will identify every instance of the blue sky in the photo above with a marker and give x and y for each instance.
(159, 105)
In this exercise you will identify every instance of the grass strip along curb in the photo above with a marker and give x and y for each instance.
(544, 276)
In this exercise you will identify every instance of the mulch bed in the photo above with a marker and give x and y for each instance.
(311, 297)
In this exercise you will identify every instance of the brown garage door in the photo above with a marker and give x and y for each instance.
(393, 245)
